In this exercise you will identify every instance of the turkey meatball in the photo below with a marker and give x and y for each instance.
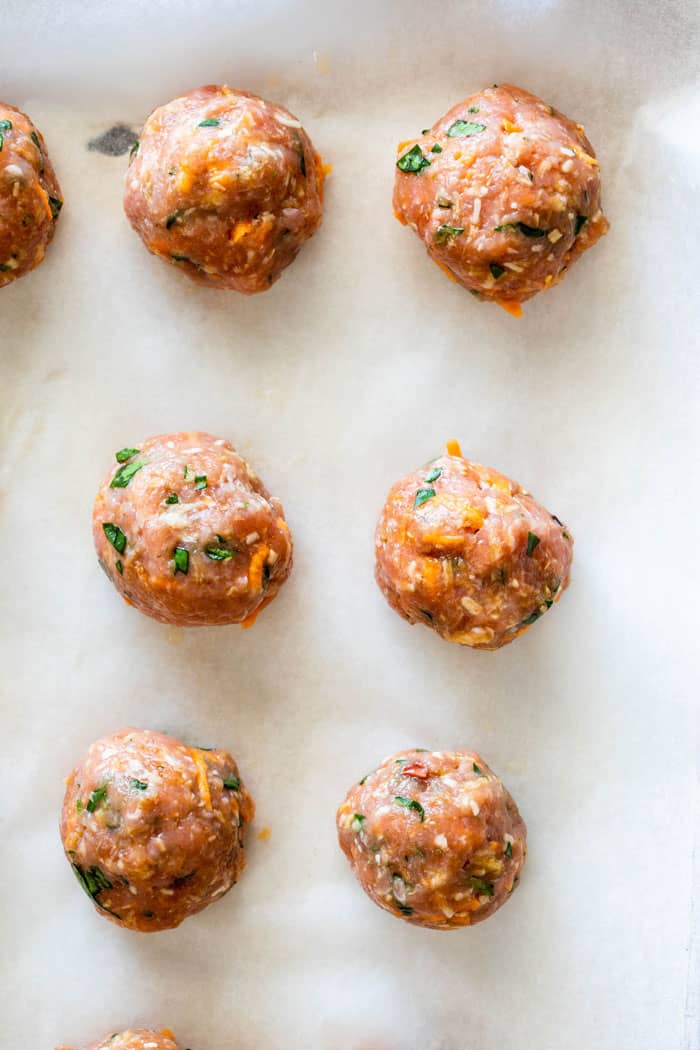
(504, 191)
(469, 553)
(225, 186)
(134, 1039)
(434, 837)
(153, 828)
(188, 533)
(30, 197)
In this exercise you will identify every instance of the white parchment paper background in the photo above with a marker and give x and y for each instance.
(351, 371)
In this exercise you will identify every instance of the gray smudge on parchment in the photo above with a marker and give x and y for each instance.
(114, 142)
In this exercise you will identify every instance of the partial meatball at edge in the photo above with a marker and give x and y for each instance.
(134, 1039)
(468, 552)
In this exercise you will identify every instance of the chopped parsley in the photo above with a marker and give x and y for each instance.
(463, 128)
(134, 149)
(404, 909)
(473, 109)
(125, 453)
(437, 148)
(115, 536)
(445, 232)
(482, 885)
(422, 496)
(55, 204)
(530, 619)
(200, 482)
(210, 122)
(357, 822)
(172, 218)
(120, 567)
(98, 796)
(496, 270)
(433, 475)
(138, 785)
(531, 231)
(218, 553)
(233, 783)
(428, 615)
(413, 161)
(181, 557)
(79, 805)
(581, 221)
(35, 139)
(508, 851)
(410, 803)
(93, 881)
(5, 125)
(2, 141)
(476, 769)
(124, 475)
(532, 542)
(566, 535)
(172, 498)
(443, 202)
(361, 782)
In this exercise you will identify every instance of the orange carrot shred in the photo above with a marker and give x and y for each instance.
(452, 447)
(510, 306)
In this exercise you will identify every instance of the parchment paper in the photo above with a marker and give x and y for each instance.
(351, 371)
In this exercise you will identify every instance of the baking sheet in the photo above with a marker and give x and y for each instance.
(352, 370)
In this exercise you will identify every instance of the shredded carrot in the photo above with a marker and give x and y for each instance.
(202, 779)
(264, 834)
(400, 218)
(326, 169)
(255, 569)
(510, 306)
(509, 128)
(250, 620)
(402, 145)
(167, 1033)
(452, 447)
(446, 270)
(239, 231)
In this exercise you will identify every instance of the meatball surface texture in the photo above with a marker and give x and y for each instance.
(504, 191)
(153, 828)
(134, 1039)
(30, 197)
(469, 553)
(225, 186)
(433, 837)
(188, 533)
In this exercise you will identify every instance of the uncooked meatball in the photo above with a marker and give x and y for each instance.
(153, 828)
(469, 553)
(134, 1039)
(434, 837)
(188, 533)
(505, 193)
(30, 197)
(225, 186)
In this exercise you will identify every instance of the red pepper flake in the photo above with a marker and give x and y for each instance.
(416, 769)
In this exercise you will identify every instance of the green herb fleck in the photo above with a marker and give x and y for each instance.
(404, 909)
(120, 567)
(124, 475)
(531, 231)
(218, 553)
(138, 785)
(482, 885)
(506, 226)
(473, 109)
(210, 122)
(79, 805)
(172, 218)
(463, 128)
(135, 148)
(172, 498)
(445, 232)
(532, 542)
(35, 139)
(4, 267)
(496, 270)
(433, 475)
(410, 803)
(5, 125)
(581, 221)
(422, 496)
(233, 783)
(428, 615)
(508, 851)
(424, 131)
(115, 536)
(357, 822)
(181, 557)
(437, 148)
(476, 769)
(443, 202)
(413, 161)
(2, 141)
(55, 204)
(530, 619)
(361, 782)
(566, 535)
(125, 453)
(200, 482)
(98, 796)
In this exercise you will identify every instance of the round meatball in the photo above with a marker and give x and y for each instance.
(434, 837)
(468, 552)
(225, 186)
(154, 829)
(188, 533)
(505, 192)
(30, 197)
(134, 1039)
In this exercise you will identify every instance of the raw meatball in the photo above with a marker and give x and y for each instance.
(30, 197)
(189, 534)
(505, 192)
(433, 836)
(468, 552)
(154, 829)
(225, 186)
(135, 1039)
